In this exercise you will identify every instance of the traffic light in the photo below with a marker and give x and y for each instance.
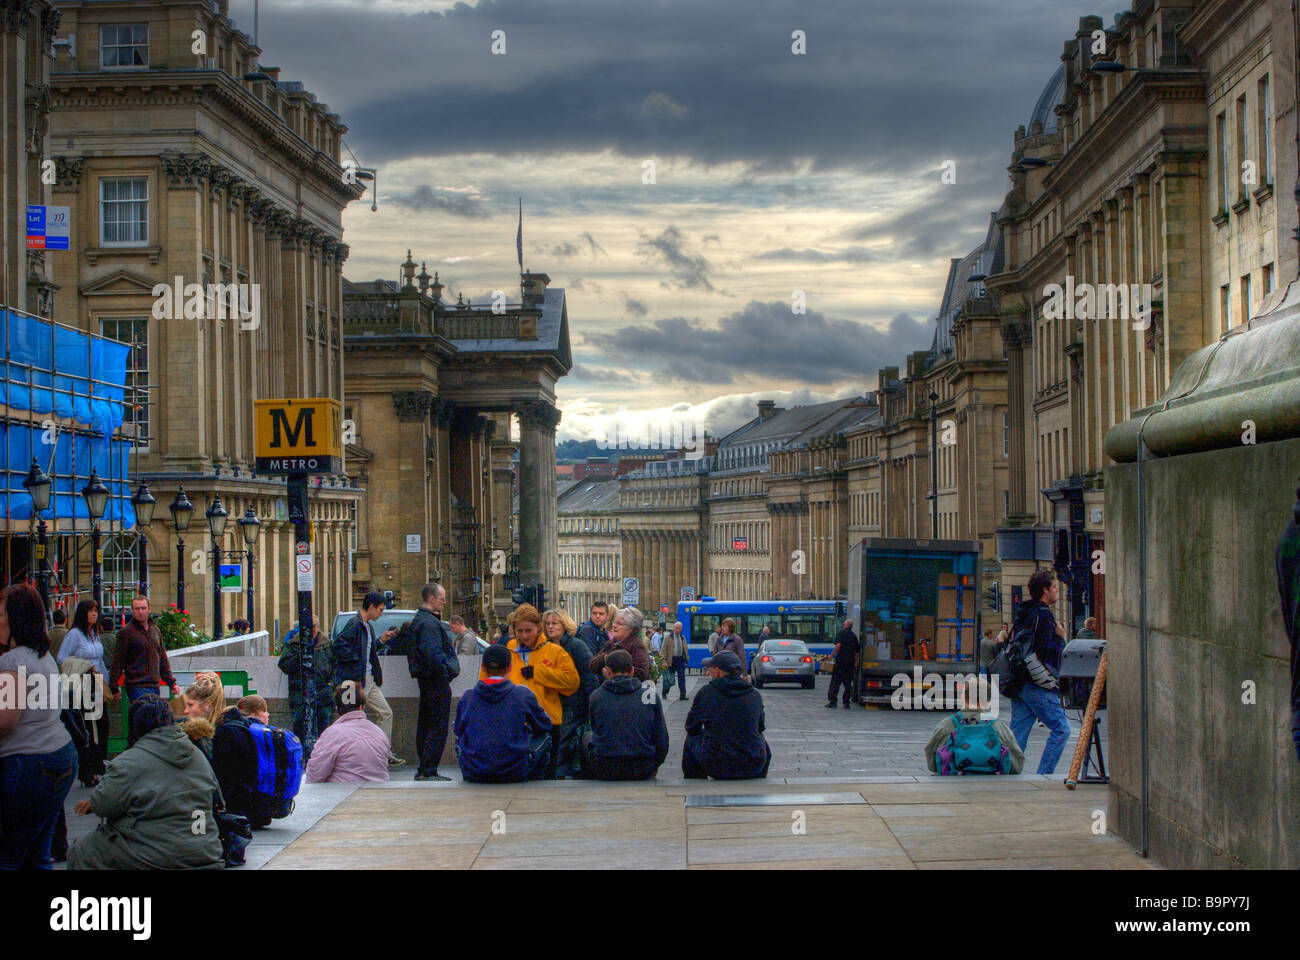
(993, 595)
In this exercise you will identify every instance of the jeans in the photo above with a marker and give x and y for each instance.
(679, 667)
(32, 790)
(135, 691)
(1035, 703)
(431, 723)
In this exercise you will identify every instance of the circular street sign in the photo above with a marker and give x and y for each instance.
(303, 546)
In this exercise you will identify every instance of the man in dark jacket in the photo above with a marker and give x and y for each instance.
(356, 658)
(1039, 696)
(593, 632)
(502, 732)
(629, 736)
(436, 651)
(1288, 585)
(139, 657)
(845, 653)
(724, 730)
(322, 669)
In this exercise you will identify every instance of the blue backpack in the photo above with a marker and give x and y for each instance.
(972, 747)
(279, 767)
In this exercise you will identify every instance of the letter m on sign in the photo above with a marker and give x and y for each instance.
(302, 424)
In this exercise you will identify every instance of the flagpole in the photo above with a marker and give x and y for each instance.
(519, 247)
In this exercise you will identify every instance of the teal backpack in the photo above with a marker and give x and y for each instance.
(972, 747)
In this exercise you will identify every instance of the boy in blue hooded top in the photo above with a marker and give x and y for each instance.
(502, 732)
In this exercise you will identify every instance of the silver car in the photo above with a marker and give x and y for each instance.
(783, 661)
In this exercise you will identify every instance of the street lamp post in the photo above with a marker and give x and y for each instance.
(96, 496)
(934, 466)
(216, 515)
(39, 485)
(249, 526)
(144, 503)
(182, 510)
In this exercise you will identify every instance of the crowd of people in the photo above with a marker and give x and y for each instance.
(553, 699)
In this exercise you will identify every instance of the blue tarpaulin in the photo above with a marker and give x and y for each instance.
(62, 372)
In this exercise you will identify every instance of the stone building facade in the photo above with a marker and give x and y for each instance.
(1126, 195)
(590, 547)
(206, 167)
(29, 27)
(432, 389)
(663, 523)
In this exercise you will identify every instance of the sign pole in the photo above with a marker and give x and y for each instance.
(302, 547)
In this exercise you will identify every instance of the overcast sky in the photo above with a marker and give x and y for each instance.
(774, 172)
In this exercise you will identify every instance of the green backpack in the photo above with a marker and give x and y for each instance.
(972, 747)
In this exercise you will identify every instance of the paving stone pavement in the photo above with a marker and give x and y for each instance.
(911, 819)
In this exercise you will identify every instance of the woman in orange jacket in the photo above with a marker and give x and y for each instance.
(539, 664)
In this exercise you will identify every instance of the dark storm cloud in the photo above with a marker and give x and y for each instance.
(689, 270)
(425, 198)
(765, 340)
(882, 86)
(635, 307)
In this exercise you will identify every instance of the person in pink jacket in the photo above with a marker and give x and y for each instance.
(351, 748)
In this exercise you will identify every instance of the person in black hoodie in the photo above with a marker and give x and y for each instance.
(502, 732)
(724, 730)
(629, 736)
(1039, 696)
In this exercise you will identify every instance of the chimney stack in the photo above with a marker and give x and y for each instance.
(766, 409)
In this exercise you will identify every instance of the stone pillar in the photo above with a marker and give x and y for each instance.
(410, 493)
(537, 509)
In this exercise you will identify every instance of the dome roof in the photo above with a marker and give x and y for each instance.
(1045, 108)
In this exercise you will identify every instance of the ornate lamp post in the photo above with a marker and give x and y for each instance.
(182, 510)
(144, 503)
(250, 526)
(39, 485)
(96, 496)
(216, 515)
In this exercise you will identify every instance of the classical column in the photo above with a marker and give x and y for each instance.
(537, 520)
(408, 496)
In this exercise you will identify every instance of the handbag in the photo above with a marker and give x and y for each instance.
(235, 832)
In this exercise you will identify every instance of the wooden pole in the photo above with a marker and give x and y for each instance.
(1089, 718)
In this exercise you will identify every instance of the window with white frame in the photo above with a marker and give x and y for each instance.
(123, 211)
(135, 331)
(124, 46)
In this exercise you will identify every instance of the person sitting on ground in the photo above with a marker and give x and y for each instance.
(234, 758)
(351, 749)
(148, 797)
(629, 736)
(539, 663)
(625, 634)
(205, 702)
(502, 732)
(724, 729)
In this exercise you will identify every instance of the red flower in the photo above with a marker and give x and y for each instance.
(186, 612)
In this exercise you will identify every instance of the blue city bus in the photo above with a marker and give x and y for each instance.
(815, 622)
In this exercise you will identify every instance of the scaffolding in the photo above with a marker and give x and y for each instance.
(74, 402)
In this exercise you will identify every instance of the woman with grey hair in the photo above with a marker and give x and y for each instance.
(625, 634)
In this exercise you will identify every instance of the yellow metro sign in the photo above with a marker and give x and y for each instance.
(298, 435)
